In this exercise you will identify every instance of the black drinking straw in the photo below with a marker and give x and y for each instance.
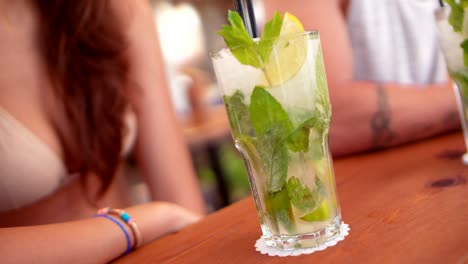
(253, 23)
(441, 3)
(247, 15)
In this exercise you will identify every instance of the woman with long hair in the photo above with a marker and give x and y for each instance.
(81, 84)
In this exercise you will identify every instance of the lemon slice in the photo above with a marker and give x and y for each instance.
(288, 54)
(291, 25)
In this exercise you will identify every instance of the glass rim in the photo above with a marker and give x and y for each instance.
(310, 33)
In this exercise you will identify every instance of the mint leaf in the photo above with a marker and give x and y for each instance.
(464, 46)
(464, 3)
(239, 42)
(272, 127)
(279, 208)
(274, 154)
(243, 47)
(456, 14)
(299, 138)
(309, 136)
(266, 111)
(238, 114)
(284, 217)
(301, 196)
(270, 34)
(277, 201)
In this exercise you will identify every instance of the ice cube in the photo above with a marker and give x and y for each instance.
(227, 69)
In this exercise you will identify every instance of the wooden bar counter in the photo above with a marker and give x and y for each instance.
(404, 205)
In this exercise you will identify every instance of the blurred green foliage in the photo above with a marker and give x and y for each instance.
(234, 170)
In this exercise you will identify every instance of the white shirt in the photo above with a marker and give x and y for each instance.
(395, 41)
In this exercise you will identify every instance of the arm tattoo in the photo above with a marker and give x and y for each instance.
(380, 121)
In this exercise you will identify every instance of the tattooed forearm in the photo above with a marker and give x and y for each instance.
(425, 128)
(380, 121)
(452, 119)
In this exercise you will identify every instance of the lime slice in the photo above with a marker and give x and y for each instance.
(322, 213)
(288, 54)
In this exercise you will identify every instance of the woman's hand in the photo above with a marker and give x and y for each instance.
(157, 219)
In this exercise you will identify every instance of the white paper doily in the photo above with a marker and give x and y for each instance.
(271, 251)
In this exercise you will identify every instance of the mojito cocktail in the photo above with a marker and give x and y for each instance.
(452, 24)
(279, 113)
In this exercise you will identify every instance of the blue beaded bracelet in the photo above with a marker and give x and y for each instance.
(128, 220)
(127, 236)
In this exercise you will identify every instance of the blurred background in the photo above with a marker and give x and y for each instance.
(187, 31)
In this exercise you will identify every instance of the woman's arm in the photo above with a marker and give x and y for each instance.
(161, 150)
(368, 115)
(94, 240)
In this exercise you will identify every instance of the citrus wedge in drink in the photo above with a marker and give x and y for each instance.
(291, 56)
(322, 213)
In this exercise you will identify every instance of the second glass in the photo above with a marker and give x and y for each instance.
(450, 42)
(280, 117)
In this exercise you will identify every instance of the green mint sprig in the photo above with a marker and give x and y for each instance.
(272, 126)
(243, 47)
(266, 111)
(301, 196)
(278, 206)
(274, 131)
(464, 46)
(457, 13)
(272, 136)
(239, 118)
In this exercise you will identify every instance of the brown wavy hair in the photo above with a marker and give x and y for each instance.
(83, 45)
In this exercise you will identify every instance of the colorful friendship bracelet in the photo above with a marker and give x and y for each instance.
(127, 236)
(128, 220)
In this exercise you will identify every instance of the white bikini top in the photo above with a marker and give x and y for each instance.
(29, 169)
(395, 41)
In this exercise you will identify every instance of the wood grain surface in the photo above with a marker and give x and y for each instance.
(404, 205)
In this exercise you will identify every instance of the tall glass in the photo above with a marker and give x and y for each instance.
(279, 118)
(450, 42)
